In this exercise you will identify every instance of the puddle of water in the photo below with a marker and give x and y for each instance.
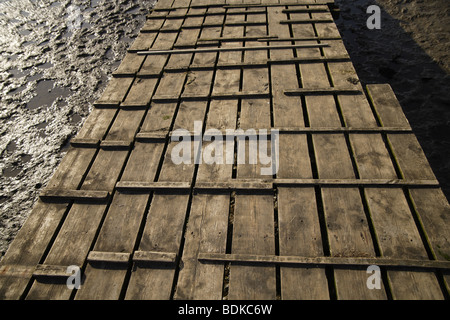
(11, 147)
(11, 171)
(45, 65)
(36, 76)
(47, 94)
(43, 43)
(25, 158)
(17, 90)
(24, 32)
(95, 3)
(12, 57)
(86, 25)
(27, 43)
(42, 125)
(76, 118)
(16, 73)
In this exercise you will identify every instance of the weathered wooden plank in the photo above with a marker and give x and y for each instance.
(159, 117)
(72, 169)
(116, 90)
(297, 210)
(130, 65)
(234, 185)
(150, 186)
(228, 80)
(355, 182)
(206, 232)
(372, 157)
(232, 48)
(34, 237)
(331, 129)
(154, 65)
(208, 219)
(170, 24)
(115, 144)
(124, 127)
(303, 10)
(67, 195)
(119, 232)
(50, 271)
(84, 143)
(347, 226)
(194, 17)
(144, 41)
(198, 83)
(331, 261)
(174, 81)
(396, 232)
(255, 113)
(349, 236)
(72, 244)
(111, 257)
(150, 25)
(186, 37)
(386, 105)
(154, 256)
(410, 157)
(96, 124)
(398, 237)
(253, 232)
(151, 136)
(433, 212)
(166, 218)
(287, 110)
(122, 222)
(297, 130)
(321, 110)
(163, 4)
(356, 110)
(256, 4)
(305, 21)
(332, 156)
(28, 247)
(253, 228)
(140, 93)
(222, 114)
(266, 183)
(240, 39)
(162, 233)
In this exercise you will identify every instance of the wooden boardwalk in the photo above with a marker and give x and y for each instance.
(353, 187)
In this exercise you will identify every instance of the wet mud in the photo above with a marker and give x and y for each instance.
(56, 59)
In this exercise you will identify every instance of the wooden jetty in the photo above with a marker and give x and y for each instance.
(353, 187)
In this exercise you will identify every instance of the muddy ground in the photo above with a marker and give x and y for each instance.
(57, 57)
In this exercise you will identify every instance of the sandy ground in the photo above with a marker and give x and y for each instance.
(57, 56)
(411, 52)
